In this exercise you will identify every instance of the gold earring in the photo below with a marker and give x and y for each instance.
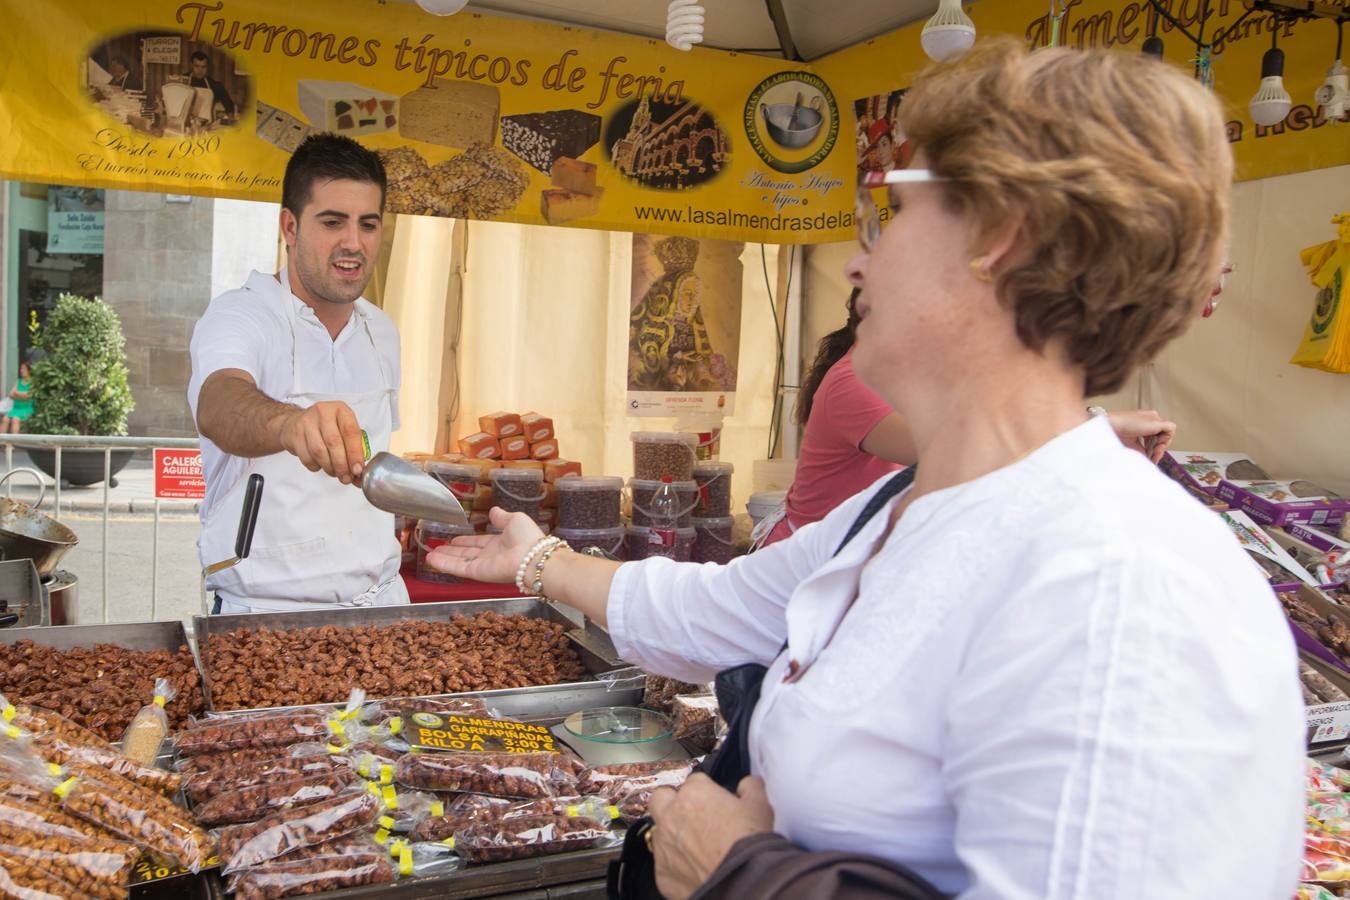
(979, 267)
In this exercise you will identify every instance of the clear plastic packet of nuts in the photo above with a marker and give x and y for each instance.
(215, 775)
(357, 843)
(287, 830)
(38, 721)
(32, 882)
(403, 809)
(596, 808)
(530, 836)
(273, 880)
(127, 811)
(250, 803)
(522, 776)
(613, 780)
(57, 749)
(145, 736)
(660, 692)
(273, 729)
(698, 723)
(94, 874)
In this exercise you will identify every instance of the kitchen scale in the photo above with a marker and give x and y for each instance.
(619, 734)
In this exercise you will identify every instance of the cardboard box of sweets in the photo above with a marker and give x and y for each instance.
(1204, 471)
(1284, 502)
(1281, 569)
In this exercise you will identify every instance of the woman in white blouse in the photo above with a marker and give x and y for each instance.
(1046, 672)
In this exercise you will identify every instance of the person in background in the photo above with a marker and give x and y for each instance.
(21, 398)
(1039, 669)
(221, 100)
(287, 373)
(122, 76)
(851, 436)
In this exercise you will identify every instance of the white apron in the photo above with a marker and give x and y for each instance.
(318, 542)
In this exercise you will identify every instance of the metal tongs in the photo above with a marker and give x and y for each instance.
(248, 519)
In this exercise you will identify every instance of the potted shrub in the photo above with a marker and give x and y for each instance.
(80, 385)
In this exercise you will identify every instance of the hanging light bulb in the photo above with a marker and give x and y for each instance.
(442, 7)
(1271, 103)
(1334, 94)
(684, 24)
(949, 34)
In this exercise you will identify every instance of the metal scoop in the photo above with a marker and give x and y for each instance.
(395, 485)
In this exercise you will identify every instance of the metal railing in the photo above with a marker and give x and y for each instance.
(60, 442)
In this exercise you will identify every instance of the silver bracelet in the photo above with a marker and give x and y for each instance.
(539, 567)
(525, 562)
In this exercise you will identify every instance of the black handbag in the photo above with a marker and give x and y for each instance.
(633, 875)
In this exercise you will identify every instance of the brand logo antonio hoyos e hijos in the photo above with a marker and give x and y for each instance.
(792, 121)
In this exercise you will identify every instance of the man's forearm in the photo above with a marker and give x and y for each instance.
(240, 419)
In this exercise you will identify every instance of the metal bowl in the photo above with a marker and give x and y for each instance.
(790, 133)
(27, 534)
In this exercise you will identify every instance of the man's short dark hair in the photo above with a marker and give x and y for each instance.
(200, 54)
(329, 157)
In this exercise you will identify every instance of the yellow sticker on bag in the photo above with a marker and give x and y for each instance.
(405, 861)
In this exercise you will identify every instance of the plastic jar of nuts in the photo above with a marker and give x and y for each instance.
(518, 490)
(660, 453)
(642, 492)
(712, 541)
(714, 488)
(429, 536)
(462, 480)
(644, 542)
(589, 501)
(610, 540)
(403, 530)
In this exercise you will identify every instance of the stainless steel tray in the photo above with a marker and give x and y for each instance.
(507, 879)
(131, 635)
(592, 643)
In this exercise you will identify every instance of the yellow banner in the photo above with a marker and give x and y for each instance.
(492, 118)
(1305, 140)
(476, 116)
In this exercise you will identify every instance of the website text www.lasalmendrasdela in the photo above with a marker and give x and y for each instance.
(825, 221)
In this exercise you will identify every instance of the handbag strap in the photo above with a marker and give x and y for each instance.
(898, 482)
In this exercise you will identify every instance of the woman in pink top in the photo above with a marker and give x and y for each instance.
(852, 437)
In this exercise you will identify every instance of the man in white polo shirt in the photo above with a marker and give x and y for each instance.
(287, 371)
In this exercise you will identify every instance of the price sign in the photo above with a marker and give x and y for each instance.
(145, 871)
(432, 731)
(1329, 721)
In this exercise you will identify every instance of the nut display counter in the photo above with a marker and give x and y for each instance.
(507, 674)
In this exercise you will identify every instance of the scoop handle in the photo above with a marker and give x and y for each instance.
(248, 516)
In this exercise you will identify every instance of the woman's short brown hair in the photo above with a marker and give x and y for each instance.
(1119, 166)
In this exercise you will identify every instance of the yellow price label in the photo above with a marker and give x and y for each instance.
(9, 712)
